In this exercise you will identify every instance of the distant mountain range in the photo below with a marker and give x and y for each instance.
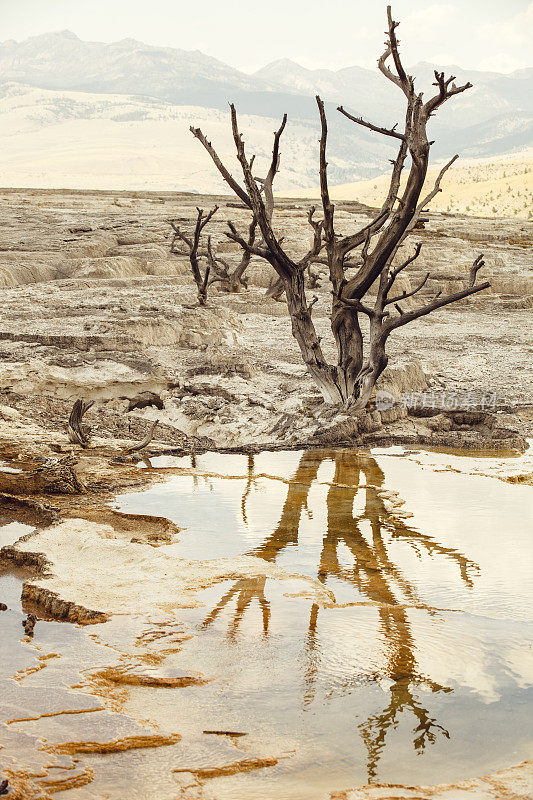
(152, 86)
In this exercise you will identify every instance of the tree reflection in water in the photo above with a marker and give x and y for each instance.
(371, 571)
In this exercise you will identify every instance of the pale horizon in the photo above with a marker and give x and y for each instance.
(439, 32)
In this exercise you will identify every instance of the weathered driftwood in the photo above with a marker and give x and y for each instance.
(352, 378)
(135, 448)
(77, 433)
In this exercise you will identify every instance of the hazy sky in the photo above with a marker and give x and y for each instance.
(482, 34)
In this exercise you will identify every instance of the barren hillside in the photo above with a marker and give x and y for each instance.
(482, 188)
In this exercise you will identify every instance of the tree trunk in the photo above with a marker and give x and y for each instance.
(349, 341)
(373, 367)
(350, 379)
(325, 376)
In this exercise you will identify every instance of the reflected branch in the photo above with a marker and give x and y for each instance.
(250, 482)
(245, 591)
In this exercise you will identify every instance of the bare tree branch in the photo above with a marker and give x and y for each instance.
(276, 255)
(396, 271)
(327, 206)
(268, 183)
(246, 245)
(445, 301)
(349, 242)
(401, 79)
(227, 176)
(376, 128)
(357, 305)
(436, 189)
(407, 294)
(445, 92)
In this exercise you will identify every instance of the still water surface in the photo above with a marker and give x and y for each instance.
(421, 671)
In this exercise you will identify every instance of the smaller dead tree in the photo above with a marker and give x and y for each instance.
(217, 269)
(190, 246)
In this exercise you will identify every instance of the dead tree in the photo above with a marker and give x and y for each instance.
(190, 245)
(217, 269)
(351, 380)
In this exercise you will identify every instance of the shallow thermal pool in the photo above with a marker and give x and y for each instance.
(418, 670)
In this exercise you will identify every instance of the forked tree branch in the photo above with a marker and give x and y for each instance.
(226, 174)
(434, 192)
(348, 243)
(421, 205)
(396, 271)
(357, 305)
(279, 259)
(404, 295)
(474, 269)
(246, 244)
(447, 89)
(401, 79)
(408, 316)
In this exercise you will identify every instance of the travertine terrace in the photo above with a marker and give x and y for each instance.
(96, 307)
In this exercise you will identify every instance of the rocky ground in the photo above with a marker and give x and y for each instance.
(96, 307)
